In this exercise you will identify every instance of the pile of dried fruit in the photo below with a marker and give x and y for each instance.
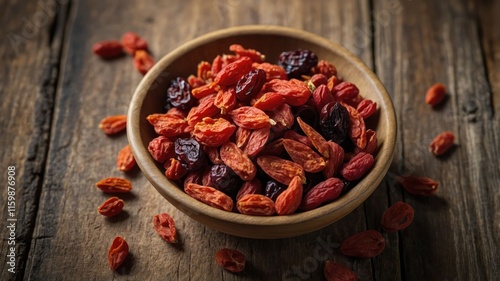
(241, 133)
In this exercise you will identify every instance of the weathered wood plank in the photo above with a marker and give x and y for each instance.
(30, 59)
(453, 236)
(71, 237)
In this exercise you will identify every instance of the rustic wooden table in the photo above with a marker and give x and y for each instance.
(54, 92)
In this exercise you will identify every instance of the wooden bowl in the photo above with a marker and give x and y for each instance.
(150, 96)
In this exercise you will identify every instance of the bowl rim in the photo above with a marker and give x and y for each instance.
(175, 195)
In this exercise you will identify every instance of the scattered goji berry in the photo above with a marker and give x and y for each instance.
(165, 226)
(397, 217)
(114, 185)
(231, 260)
(366, 244)
(113, 124)
(435, 94)
(125, 160)
(117, 252)
(108, 49)
(418, 185)
(442, 143)
(111, 207)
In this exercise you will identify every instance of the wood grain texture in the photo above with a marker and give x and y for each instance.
(454, 231)
(30, 59)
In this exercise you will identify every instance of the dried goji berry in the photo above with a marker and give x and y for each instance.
(206, 108)
(108, 49)
(269, 101)
(238, 161)
(332, 82)
(216, 65)
(231, 73)
(304, 156)
(335, 271)
(295, 92)
(143, 62)
(316, 138)
(225, 100)
(204, 71)
(249, 187)
(326, 68)
(167, 125)
(273, 71)
(289, 200)
(113, 124)
(322, 96)
(281, 170)
(371, 143)
(418, 185)
(366, 244)
(324, 192)
(114, 185)
(231, 260)
(111, 207)
(319, 79)
(254, 55)
(204, 90)
(283, 118)
(209, 196)
(213, 132)
(125, 160)
(397, 217)
(242, 136)
(256, 142)
(161, 149)
(255, 205)
(357, 127)
(435, 94)
(193, 177)
(334, 162)
(132, 42)
(174, 170)
(292, 135)
(117, 252)
(345, 91)
(358, 166)
(250, 117)
(195, 82)
(274, 148)
(177, 112)
(213, 154)
(442, 143)
(366, 108)
(165, 226)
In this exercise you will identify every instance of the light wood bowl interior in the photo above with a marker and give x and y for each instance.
(270, 40)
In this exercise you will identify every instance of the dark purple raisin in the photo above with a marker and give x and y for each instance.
(223, 178)
(250, 84)
(273, 189)
(334, 122)
(190, 153)
(298, 62)
(179, 94)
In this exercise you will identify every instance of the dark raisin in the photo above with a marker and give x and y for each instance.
(334, 122)
(308, 114)
(223, 178)
(273, 189)
(190, 153)
(250, 84)
(179, 94)
(298, 62)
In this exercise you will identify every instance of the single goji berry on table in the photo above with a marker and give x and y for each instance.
(113, 124)
(289, 200)
(231, 260)
(165, 226)
(442, 143)
(397, 217)
(125, 160)
(366, 244)
(335, 271)
(418, 185)
(132, 42)
(111, 207)
(435, 94)
(108, 49)
(114, 185)
(117, 252)
(143, 61)
(324, 192)
(255, 205)
(209, 196)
